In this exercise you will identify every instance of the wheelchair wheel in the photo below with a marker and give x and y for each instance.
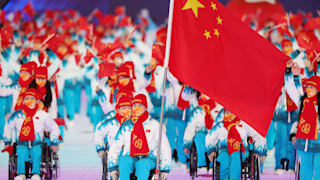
(104, 167)
(12, 167)
(47, 162)
(215, 170)
(297, 170)
(193, 161)
(55, 166)
(254, 169)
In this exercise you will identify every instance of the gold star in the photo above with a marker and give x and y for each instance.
(214, 6)
(194, 5)
(219, 20)
(207, 34)
(216, 32)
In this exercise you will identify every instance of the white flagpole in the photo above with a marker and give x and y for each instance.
(166, 62)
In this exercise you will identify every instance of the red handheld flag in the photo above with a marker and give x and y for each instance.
(215, 53)
(29, 10)
(106, 69)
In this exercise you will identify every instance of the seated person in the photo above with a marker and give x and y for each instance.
(137, 138)
(110, 126)
(29, 123)
(229, 137)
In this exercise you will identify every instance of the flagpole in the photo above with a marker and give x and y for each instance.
(164, 86)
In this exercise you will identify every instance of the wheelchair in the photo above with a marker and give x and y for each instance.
(193, 161)
(49, 166)
(105, 173)
(250, 167)
(104, 161)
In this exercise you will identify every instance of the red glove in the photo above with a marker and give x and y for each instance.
(8, 149)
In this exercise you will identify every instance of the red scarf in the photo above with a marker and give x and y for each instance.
(151, 88)
(182, 104)
(24, 85)
(120, 118)
(42, 91)
(291, 106)
(139, 144)
(27, 129)
(112, 82)
(128, 88)
(234, 138)
(307, 127)
(207, 105)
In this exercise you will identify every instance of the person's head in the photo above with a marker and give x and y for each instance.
(287, 46)
(117, 59)
(26, 71)
(139, 105)
(30, 98)
(229, 115)
(41, 75)
(123, 75)
(312, 86)
(123, 106)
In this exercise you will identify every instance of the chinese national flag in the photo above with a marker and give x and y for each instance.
(29, 10)
(215, 53)
(106, 69)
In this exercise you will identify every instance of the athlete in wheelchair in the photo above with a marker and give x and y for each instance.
(136, 144)
(227, 146)
(199, 124)
(29, 124)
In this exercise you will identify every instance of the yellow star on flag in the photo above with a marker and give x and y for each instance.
(194, 5)
(216, 32)
(207, 34)
(219, 20)
(214, 6)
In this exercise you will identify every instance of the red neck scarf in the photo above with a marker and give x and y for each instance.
(112, 82)
(128, 88)
(207, 105)
(307, 127)
(182, 104)
(25, 84)
(291, 106)
(151, 88)
(139, 144)
(42, 91)
(27, 129)
(234, 138)
(120, 118)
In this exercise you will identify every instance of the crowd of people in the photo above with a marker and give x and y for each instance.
(48, 59)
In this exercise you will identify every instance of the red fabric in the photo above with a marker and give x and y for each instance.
(151, 88)
(207, 105)
(29, 10)
(234, 138)
(139, 144)
(140, 99)
(106, 69)
(88, 57)
(8, 149)
(158, 53)
(313, 23)
(182, 104)
(60, 121)
(307, 127)
(239, 69)
(120, 10)
(262, 11)
(27, 129)
(291, 106)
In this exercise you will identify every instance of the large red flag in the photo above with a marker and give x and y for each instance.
(212, 51)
